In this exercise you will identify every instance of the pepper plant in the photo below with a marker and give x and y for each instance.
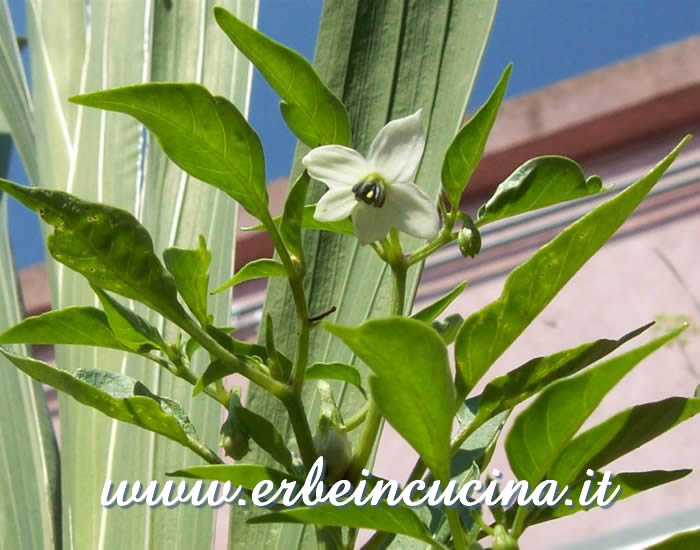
(373, 195)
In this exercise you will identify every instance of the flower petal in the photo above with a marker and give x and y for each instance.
(335, 205)
(412, 211)
(336, 166)
(396, 151)
(370, 223)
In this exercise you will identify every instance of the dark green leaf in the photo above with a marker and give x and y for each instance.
(540, 182)
(107, 245)
(400, 520)
(487, 333)
(78, 325)
(190, 268)
(466, 149)
(687, 540)
(119, 397)
(293, 216)
(630, 483)
(133, 331)
(335, 371)
(264, 433)
(410, 362)
(245, 475)
(541, 432)
(309, 222)
(619, 435)
(215, 371)
(476, 448)
(430, 313)
(504, 392)
(257, 269)
(237, 347)
(310, 110)
(205, 135)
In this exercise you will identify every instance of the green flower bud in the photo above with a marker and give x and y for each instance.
(233, 437)
(502, 540)
(469, 238)
(330, 441)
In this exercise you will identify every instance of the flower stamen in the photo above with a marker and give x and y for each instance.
(370, 191)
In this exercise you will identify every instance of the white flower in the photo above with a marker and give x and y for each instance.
(377, 191)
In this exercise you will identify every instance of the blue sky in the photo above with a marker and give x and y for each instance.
(548, 40)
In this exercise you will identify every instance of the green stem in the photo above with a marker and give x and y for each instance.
(476, 515)
(519, 522)
(366, 443)
(458, 537)
(205, 452)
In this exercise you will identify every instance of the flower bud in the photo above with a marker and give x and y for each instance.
(233, 437)
(330, 441)
(502, 540)
(469, 238)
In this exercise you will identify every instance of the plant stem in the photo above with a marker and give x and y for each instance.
(458, 537)
(519, 522)
(366, 442)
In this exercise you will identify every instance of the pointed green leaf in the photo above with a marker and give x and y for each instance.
(620, 434)
(119, 397)
(264, 433)
(465, 151)
(205, 135)
(310, 110)
(401, 520)
(245, 475)
(79, 325)
(190, 268)
(486, 334)
(476, 448)
(107, 245)
(540, 182)
(448, 327)
(630, 483)
(257, 269)
(215, 371)
(504, 392)
(293, 216)
(541, 432)
(335, 371)
(430, 313)
(309, 222)
(130, 329)
(687, 540)
(410, 362)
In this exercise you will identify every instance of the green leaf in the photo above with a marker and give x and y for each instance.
(78, 325)
(107, 245)
(477, 447)
(335, 371)
(293, 216)
(541, 432)
(257, 269)
(215, 371)
(190, 268)
(205, 135)
(630, 483)
(620, 434)
(687, 540)
(465, 151)
(505, 392)
(487, 333)
(540, 182)
(131, 330)
(410, 362)
(431, 312)
(401, 520)
(245, 475)
(119, 397)
(309, 222)
(448, 327)
(264, 433)
(310, 110)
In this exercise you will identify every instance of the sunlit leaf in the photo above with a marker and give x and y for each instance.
(466, 149)
(335, 371)
(257, 269)
(293, 216)
(310, 110)
(190, 268)
(431, 312)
